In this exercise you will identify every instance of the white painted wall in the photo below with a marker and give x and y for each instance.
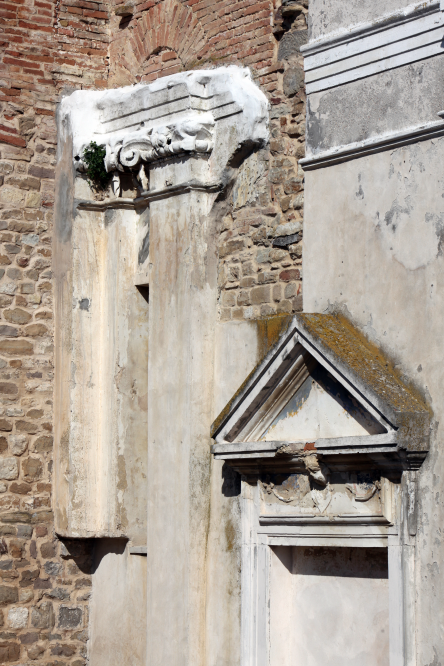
(118, 606)
(328, 606)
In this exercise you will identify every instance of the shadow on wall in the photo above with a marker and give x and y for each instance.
(88, 553)
(231, 482)
(80, 551)
(104, 547)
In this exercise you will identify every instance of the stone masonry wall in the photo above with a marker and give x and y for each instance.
(47, 50)
(261, 240)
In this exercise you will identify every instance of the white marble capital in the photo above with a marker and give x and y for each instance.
(210, 115)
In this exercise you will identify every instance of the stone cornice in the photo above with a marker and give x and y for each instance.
(209, 113)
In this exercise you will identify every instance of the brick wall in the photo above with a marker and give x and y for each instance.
(49, 49)
(261, 240)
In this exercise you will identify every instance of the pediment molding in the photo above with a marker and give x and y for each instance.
(399, 419)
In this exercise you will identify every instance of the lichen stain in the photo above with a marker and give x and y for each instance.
(142, 402)
(230, 534)
(364, 359)
(269, 332)
(122, 483)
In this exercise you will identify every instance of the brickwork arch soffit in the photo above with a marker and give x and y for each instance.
(168, 31)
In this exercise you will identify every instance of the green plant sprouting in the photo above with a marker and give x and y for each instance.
(93, 158)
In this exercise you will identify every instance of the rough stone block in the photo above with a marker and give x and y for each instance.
(8, 469)
(8, 288)
(35, 651)
(9, 652)
(243, 298)
(237, 313)
(24, 531)
(277, 293)
(290, 44)
(16, 548)
(29, 638)
(290, 274)
(32, 469)
(18, 617)
(16, 348)
(8, 595)
(293, 81)
(43, 444)
(69, 617)
(260, 295)
(28, 577)
(267, 277)
(278, 255)
(288, 228)
(48, 550)
(42, 617)
(293, 186)
(228, 299)
(5, 425)
(53, 568)
(263, 255)
(291, 290)
(26, 426)
(231, 246)
(267, 311)
(285, 307)
(297, 303)
(8, 331)
(296, 250)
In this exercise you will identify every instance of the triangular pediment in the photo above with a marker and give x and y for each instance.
(320, 408)
(323, 383)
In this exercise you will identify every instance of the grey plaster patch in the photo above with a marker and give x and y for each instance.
(64, 199)
(84, 304)
(435, 661)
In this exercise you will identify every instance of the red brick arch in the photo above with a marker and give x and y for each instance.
(167, 32)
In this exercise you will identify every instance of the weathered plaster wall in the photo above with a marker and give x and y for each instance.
(49, 49)
(118, 605)
(373, 249)
(376, 105)
(237, 351)
(329, 16)
(344, 591)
